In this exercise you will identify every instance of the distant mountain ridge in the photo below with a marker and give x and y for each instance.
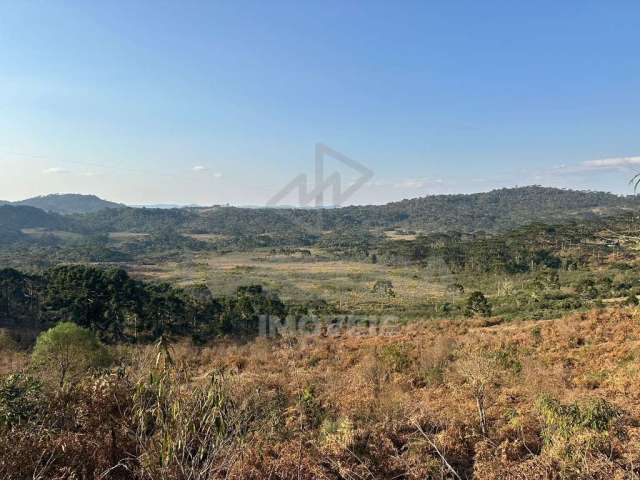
(495, 211)
(18, 217)
(66, 203)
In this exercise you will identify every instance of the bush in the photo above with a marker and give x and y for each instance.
(594, 413)
(395, 358)
(573, 431)
(68, 351)
(508, 357)
(181, 428)
(587, 289)
(570, 303)
(310, 407)
(19, 399)
(477, 304)
(536, 334)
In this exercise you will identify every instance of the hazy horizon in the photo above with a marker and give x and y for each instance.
(169, 204)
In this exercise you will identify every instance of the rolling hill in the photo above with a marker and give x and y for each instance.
(18, 217)
(498, 210)
(66, 204)
(495, 211)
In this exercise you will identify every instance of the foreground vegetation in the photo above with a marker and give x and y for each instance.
(129, 344)
(444, 399)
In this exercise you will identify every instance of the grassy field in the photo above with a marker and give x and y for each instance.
(347, 284)
(419, 291)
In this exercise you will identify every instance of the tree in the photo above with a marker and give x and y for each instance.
(242, 313)
(480, 373)
(477, 304)
(69, 351)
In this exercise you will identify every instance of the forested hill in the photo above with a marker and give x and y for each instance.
(21, 217)
(497, 210)
(69, 203)
(494, 211)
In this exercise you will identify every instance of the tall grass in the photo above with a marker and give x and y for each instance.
(441, 400)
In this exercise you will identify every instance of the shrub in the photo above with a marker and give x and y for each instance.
(178, 429)
(508, 357)
(573, 431)
(310, 407)
(480, 373)
(395, 358)
(337, 434)
(570, 303)
(536, 334)
(594, 413)
(432, 362)
(587, 289)
(68, 351)
(477, 304)
(19, 399)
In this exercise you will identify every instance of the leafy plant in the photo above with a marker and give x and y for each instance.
(508, 357)
(19, 399)
(477, 304)
(68, 351)
(536, 334)
(395, 358)
(576, 430)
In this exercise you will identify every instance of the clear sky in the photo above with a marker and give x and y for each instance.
(223, 102)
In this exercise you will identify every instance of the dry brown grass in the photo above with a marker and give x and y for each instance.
(347, 407)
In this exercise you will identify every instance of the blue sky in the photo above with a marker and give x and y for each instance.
(223, 102)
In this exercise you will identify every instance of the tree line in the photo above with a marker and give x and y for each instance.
(566, 246)
(121, 309)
